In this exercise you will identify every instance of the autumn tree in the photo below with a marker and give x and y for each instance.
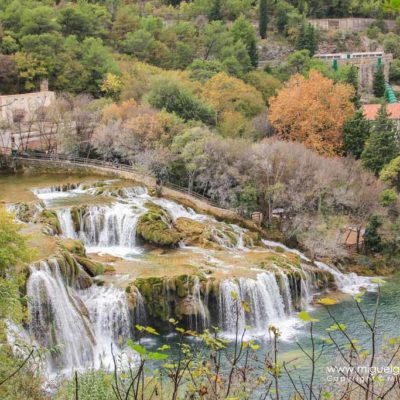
(226, 93)
(312, 111)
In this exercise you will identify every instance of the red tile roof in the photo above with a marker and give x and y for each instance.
(370, 110)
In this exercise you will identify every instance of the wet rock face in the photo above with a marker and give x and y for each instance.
(182, 298)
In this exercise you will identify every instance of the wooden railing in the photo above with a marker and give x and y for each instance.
(121, 165)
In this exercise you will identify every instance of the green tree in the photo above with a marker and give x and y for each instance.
(390, 173)
(175, 98)
(215, 11)
(97, 60)
(242, 30)
(202, 70)
(372, 238)
(356, 131)
(307, 38)
(382, 145)
(263, 18)
(352, 79)
(379, 82)
(38, 20)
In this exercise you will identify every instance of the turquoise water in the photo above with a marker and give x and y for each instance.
(345, 312)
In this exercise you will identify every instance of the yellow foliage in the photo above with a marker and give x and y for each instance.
(226, 93)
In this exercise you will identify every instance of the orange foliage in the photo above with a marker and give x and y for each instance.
(312, 111)
(121, 111)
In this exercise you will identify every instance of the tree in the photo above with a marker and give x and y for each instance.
(307, 39)
(352, 79)
(226, 93)
(382, 145)
(372, 239)
(356, 131)
(263, 18)
(176, 98)
(242, 30)
(379, 82)
(391, 173)
(215, 11)
(312, 111)
(265, 83)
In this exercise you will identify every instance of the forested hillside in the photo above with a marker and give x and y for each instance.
(175, 88)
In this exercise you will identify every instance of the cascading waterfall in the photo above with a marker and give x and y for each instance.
(287, 294)
(263, 297)
(80, 325)
(348, 283)
(109, 314)
(108, 228)
(201, 319)
(54, 311)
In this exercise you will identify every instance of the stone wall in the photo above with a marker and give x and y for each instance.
(366, 68)
(348, 24)
(28, 102)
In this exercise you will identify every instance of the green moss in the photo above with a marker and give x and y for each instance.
(156, 227)
(49, 218)
(74, 246)
(76, 213)
(93, 268)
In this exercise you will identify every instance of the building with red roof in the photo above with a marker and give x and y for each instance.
(371, 111)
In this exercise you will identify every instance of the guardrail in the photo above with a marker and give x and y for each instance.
(123, 165)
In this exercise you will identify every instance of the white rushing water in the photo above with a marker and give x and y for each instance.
(78, 325)
(109, 229)
(264, 299)
(350, 283)
(100, 316)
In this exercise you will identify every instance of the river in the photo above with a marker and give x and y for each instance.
(105, 219)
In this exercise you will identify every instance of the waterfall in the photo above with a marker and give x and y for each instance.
(201, 319)
(109, 314)
(111, 229)
(348, 283)
(54, 310)
(78, 326)
(286, 292)
(263, 297)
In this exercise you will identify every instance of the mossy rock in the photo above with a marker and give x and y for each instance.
(195, 233)
(156, 227)
(49, 218)
(74, 246)
(93, 268)
(25, 212)
(76, 214)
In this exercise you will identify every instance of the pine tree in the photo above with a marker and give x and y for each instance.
(263, 18)
(379, 82)
(352, 79)
(301, 37)
(311, 40)
(215, 12)
(356, 131)
(372, 239)
(382, 146)
(307, 38)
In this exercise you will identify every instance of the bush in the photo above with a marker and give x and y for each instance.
(175, 98)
